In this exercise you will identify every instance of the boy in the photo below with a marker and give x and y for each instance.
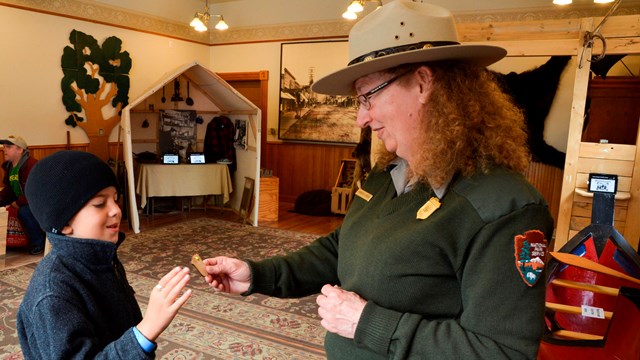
(78, 303)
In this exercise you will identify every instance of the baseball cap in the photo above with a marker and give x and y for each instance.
(14, 140)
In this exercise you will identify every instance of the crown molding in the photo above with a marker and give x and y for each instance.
(283, 32)
(551, 12)
(111, 16)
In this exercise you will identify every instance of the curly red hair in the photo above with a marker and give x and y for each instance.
(470, 125)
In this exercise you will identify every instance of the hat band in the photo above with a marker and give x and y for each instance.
(399, 49)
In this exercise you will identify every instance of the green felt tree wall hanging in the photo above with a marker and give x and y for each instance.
(94, 77)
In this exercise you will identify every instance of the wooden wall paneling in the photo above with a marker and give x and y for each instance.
(583, 209)
(548, 180)
(550, 29)
(303, 167)
(614, 110)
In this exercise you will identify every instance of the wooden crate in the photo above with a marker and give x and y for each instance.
(341, 192)
(340, 198)
(268, 208)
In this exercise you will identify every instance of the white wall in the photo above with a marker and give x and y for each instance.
(31, 47)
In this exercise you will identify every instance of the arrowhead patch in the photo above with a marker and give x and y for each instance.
(530, 252)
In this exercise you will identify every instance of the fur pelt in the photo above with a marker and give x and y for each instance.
(534, 91)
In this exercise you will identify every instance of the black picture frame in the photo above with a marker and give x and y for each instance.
(306, 116)
(177, 133)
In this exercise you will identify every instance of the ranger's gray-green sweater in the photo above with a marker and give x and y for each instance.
(446, 287)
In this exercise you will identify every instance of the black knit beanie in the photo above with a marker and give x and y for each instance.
(61, 184)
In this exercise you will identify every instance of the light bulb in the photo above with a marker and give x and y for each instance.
(196, 22)
(201, 28)
(355, 6)
(349, 15)
(221, 25)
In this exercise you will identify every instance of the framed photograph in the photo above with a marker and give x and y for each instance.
(308, 116)
(177, 133)
(240, 137)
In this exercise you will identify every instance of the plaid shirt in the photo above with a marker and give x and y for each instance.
(218, 141)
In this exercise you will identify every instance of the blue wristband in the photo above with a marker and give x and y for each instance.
(147, 345)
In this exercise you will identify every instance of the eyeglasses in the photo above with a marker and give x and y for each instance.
(364, 98)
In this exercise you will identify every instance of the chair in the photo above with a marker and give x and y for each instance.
(247, 198)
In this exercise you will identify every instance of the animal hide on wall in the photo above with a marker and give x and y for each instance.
(534, 91)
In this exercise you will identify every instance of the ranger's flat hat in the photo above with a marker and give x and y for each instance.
(403, 32)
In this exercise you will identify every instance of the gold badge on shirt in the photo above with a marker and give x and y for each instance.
(428, 208)
(364, 195)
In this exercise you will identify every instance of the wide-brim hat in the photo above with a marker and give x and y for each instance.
(403, 32)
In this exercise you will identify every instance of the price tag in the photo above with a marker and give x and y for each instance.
(592, 312)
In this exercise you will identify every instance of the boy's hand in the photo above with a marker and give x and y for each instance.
(164, 302)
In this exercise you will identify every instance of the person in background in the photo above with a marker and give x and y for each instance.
(17, 166)
(440, 253)
(78, 304)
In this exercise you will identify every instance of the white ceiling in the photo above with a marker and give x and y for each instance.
(248, 13)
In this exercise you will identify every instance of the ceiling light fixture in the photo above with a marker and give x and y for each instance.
(201, 20)
(567, 2)
(357, 6)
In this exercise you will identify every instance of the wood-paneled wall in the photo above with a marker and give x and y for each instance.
(303, 167)
(42, 151)
(548, 180)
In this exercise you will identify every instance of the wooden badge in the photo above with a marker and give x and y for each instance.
(197, 263)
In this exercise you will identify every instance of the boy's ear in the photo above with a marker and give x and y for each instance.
(67, 230)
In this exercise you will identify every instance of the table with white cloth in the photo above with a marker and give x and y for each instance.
(183, 180)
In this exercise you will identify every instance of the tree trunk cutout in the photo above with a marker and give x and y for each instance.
(94, 78)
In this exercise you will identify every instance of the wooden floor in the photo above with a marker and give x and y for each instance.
(287, 220)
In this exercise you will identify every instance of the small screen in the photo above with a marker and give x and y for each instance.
(170, 159)
(196, 158)
(603, 183)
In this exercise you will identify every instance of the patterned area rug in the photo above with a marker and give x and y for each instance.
(210, 325)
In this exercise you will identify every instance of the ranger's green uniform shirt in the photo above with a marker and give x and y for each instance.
(446, 287)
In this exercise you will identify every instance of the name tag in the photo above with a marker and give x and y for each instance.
(364, 195)
(428, 208)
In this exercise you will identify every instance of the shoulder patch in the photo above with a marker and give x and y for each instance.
(530, 252)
